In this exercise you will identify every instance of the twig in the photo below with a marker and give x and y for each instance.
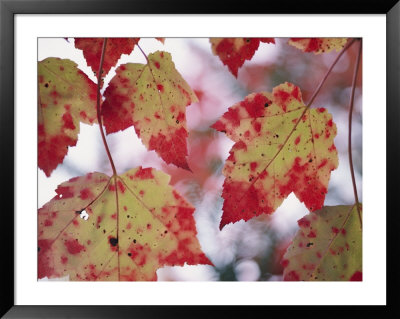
(99, 73)
(353, 88)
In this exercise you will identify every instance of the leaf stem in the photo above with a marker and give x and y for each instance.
(145, 55)
(348, 45)
(99, 73)
(353, 88)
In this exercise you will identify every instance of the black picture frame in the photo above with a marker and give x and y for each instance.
(8, 8)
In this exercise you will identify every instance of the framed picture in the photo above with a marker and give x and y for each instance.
(235, 148)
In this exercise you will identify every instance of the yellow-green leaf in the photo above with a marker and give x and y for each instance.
(327, 247)
(318, 45)
(151, 97)
(280, 147)
(136, 224)
(66, 97)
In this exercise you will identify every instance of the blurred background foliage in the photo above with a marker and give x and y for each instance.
(245, 251)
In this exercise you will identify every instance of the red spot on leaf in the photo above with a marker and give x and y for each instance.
(176, 195)
(327, 133)
(121, 187)
(323, 163)
(86, 193)
(292, 276)
(98, 221)
(239, 146)
(296, 93)
(284, 263)
(263, 174)
(255, 106)
(180, 117)
(281, 98)
(232, 116)
(68, 121)
(257, 126)
(64, 192)
(312, 234)
(253, 166)
(332, 148)
(54, 94)
(73, 246)
(48, 222)
(144, 173)
(303, 222)
(357, 276)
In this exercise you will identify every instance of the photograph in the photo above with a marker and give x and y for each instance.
(199, 159)
(181, 160)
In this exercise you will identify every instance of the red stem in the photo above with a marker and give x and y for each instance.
(145, 55)
(348, 45)
(353, 88)
(317, 90)
(99, 73)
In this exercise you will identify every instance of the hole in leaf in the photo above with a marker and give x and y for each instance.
(84, 215)
(113, 241)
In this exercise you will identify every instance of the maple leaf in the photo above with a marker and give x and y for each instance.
(136, 224)
(153, 98)
(277, 150)
(318, 45)
(328, 246)
(234, 51)
(66, 97)
(92, 48)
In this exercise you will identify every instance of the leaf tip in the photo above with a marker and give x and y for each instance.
(204, 260)
(223, 223)
(184, 165)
